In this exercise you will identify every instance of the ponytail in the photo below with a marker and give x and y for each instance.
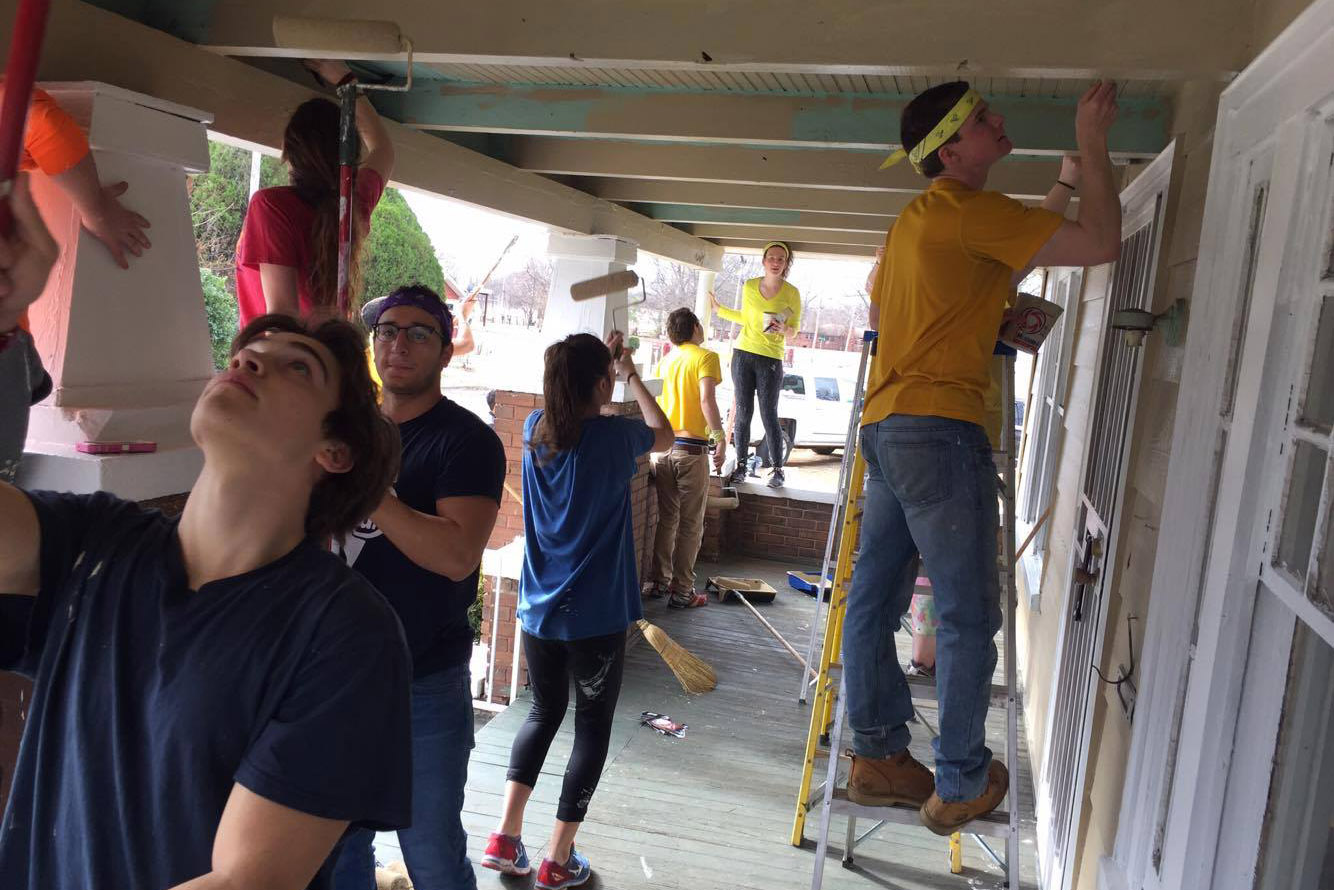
(574, 368)
(310, 148)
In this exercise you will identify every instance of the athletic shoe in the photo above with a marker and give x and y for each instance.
(554, 876)
(776, 478)
(920, 670)
(738, 476)
(945, 818)
(687, 599)
(506, 855)
(652, 590)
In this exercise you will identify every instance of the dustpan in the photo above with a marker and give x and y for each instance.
(753, 589)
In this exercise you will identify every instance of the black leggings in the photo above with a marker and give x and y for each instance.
(763, 376)
(596, 664)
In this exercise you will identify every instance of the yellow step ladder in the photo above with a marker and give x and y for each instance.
(828, 706)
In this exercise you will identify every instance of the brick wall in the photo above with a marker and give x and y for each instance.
(512, 409)
(504, 642)
(777, 527)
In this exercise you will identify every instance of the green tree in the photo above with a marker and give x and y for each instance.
(397, 252)
(220, 306)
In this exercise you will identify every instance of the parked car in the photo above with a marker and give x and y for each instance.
(813, 412)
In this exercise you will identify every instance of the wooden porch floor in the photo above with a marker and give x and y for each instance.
(713, 811)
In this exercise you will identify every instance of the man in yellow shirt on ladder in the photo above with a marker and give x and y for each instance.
(948, 270)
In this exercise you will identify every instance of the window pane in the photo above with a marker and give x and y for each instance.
(1258, 199)
(1295, 847)
(794, 384)
(1323, 590)
(1318, 410)
(826, 389)
(1300, 508)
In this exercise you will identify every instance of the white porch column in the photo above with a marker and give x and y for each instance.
(703, 308)
(128, 350)
(578, 258)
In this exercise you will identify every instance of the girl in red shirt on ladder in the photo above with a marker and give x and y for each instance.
(287, 256)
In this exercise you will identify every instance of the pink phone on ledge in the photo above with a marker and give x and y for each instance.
(116, 447)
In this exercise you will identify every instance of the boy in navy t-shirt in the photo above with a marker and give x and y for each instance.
(195, 680)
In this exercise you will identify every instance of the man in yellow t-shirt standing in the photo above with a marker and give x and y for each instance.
(949, 267)
(689, 377)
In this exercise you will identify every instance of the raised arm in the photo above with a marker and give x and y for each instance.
(624, 364)
(1057, 200)
(262, 845)
(726, 313)
(1094, 237)
(379, 153)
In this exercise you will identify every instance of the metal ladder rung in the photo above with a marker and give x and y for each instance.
(924, 689)
(993, 824)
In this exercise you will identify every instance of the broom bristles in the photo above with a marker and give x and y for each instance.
(694, 674)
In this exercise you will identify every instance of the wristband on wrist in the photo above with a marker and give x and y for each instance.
(1066, 184)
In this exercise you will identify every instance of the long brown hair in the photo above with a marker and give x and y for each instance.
(574, 368)
(310, 149)
(341, 500)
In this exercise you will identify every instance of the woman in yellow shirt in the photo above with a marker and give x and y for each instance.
(770, 316)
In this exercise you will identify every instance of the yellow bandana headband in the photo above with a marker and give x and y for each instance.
(787, 250)
(948, 126)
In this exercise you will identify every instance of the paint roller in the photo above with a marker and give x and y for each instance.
(345, 39)
(25, 48)
(610, 284)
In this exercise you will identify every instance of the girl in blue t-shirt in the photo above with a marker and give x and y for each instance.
(580, 590)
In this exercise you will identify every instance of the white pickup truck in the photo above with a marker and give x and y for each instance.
(813, 411)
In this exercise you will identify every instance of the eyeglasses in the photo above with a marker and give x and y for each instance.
(387, 332)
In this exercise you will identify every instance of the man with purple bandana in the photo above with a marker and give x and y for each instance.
(422, 549)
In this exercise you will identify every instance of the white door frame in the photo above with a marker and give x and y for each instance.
(1144, 202)
(1266, 112)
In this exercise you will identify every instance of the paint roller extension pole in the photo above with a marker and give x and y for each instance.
(21, 71)
(349, 149)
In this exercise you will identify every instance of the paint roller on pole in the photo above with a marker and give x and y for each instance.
(313, 38)
(610, 284)
(25, 48)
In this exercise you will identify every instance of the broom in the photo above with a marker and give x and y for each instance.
(694, 675)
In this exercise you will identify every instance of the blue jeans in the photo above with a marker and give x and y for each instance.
(931, 489)
(435, 847)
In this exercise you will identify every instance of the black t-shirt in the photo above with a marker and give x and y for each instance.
(448, 452)
(151, 700)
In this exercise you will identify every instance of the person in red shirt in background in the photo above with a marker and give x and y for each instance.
(287, 255)
(55, 145)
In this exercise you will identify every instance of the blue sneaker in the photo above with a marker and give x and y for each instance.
(554, 876)
(506, 854)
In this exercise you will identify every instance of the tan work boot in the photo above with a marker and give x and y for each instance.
(946, 818)
(896, 779)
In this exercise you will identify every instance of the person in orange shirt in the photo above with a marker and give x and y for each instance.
(55, 145)
(949, 268)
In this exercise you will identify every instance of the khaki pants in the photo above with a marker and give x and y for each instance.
(683, 495)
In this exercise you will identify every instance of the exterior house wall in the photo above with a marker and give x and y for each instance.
(1195, 108)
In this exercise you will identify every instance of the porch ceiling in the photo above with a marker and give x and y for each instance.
(735, 121)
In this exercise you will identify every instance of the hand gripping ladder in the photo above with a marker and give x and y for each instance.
(828, 709)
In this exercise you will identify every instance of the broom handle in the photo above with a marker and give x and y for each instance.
(21, 71)
(1037, 525)
(773, 630)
